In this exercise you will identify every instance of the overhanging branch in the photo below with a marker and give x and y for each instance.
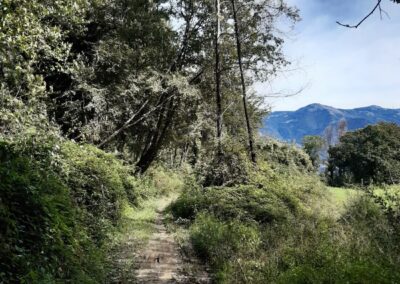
(377, 6)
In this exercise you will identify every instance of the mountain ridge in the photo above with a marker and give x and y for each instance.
(318, 119)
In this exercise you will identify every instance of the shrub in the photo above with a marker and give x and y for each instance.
(245, 203)
(389, 198)
(59, 202)
(165, 181)
(221, 243)
(229, 168)
(42, 238)
(270, 231)
(96, 183)
(358, 248)
(285, 155)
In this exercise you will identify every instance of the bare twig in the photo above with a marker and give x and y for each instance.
(285, 95)
(377, 6)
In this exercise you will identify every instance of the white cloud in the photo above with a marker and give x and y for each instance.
(342, 67)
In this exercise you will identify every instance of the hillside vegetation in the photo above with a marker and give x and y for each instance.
(111, 110)
(61, 204)
(285, 226)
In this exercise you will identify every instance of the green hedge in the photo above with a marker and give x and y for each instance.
(59, 201)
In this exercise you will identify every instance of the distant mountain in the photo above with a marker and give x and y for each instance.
(317, 119)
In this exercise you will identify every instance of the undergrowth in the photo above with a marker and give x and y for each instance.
(61, 203)
(285, 226)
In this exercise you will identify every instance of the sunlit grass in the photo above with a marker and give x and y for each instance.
(334, 201)
(138, 222)
(340, 196)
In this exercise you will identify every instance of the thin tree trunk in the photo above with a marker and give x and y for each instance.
(183, 155)
(174, 157)
(218, 76)
(157, 139)
(244, 95)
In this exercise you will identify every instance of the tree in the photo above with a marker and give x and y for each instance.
(243, 83)
(135, 76)
(342, 127)
(313, 145)
(33, 48)
(369, 155)
(217, 71)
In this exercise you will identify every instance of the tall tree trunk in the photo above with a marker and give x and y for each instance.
(244, 95)
(218, 75)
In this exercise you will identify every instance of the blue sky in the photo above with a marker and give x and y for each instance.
(336, 66)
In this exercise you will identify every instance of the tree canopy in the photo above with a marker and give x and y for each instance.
(136, 77)
(367, 156)
(313, 146)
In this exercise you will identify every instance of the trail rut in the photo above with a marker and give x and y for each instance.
(162, 261)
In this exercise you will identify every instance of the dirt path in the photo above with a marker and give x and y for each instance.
(161, 261)
(146, 252)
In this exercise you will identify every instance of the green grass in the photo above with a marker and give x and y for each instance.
(341, 196)
(138, 222)
(290, 233)
(137, 226)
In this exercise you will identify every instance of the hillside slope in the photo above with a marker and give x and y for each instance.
(315, 119)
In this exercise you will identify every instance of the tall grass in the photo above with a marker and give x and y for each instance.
(289, 228)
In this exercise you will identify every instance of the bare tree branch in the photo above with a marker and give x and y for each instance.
(285, 95)
(129, 123)
(126, 125)
(377, 6)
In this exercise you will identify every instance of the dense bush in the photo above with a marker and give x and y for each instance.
(360, 247)
(58, 203)
(280, 228)
(282, 154)
(234, 168)
(229, 168)
(97, 183)
(221, 243)
(389, 199)
(42, 235)
(245, 203)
